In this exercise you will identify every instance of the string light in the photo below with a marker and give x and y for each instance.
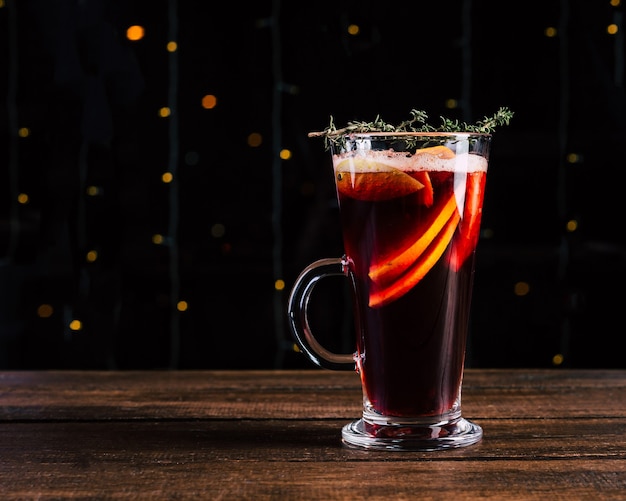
(616, 32)
(353, 29)
(550, 32)
(574, 158)
(173, 215)
(521, 288)
(558, 359)
(277, 183)
(135, 33)
(209, 101)
(75, 325)
(255, 140)
(45, 311)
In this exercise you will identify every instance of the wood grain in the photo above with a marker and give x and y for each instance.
(549, 434)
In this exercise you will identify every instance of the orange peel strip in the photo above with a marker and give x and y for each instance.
(422, 266)
(440, 151)
(395, 266)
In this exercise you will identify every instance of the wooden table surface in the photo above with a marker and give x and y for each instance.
(548, 434)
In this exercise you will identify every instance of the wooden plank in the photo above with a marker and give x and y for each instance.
(432, 480)
(276, 440)
(147, 383)
(41, 382)
(276, 435)
(291, 394)
(563, 479)
(305, 460)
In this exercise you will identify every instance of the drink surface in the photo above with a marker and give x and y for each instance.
(410, 226)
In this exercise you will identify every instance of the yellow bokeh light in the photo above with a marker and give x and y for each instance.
(182, 306)
(75, 325)
(209, 101)
(172, 46)
(452, 104)
(550, 32)
(164, 112)
(521, 288)
(23, 198)
(616, 3)
(285, 154)
(135, 33)
(23, 132)
(157, 239)
(45, 311)
(574, 158)
(557, 359)
(92, 256)
(354, 29)
(279, 284)
(167, 177)
(571, 225)
(255, 139)
(612, 29)
(92, 191)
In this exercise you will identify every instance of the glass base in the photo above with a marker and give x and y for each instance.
(418, 436)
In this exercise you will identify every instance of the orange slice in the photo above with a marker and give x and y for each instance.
(422, 159)
(418, 270)
(469, 228)
(373, 181)
(438, 151)
(394, 266)
(426, 196)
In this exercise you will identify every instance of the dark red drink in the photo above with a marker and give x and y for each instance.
(410, 227)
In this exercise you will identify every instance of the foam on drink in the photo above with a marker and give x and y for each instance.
(382, 161)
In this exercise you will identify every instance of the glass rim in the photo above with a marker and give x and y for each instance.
(378, 134)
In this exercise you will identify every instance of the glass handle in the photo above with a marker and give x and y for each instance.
(298, 314)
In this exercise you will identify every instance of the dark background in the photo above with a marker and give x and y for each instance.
(237, 218)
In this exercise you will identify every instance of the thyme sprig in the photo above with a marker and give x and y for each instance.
(417, 123)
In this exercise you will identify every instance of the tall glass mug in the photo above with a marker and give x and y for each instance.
(410, 207)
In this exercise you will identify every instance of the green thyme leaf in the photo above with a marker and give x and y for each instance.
(417, 123)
